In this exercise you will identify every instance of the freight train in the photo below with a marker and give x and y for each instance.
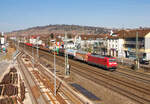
(106, 62)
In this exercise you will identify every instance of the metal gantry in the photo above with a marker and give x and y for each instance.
(66, 55)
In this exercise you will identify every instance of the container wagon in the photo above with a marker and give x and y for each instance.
(71, 52)
(82, 56)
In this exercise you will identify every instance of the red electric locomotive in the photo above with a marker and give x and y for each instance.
(106, 62)
(28, 44)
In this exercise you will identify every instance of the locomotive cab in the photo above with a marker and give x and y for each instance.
(112, 64)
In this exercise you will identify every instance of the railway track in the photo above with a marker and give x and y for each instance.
(133, 77)
(133, 91)
(65, 89)
(134, 72)
(31, 85)
(115, 88)
(69, 96)
(40, 88)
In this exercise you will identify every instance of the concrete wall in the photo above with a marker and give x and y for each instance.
(147, 43)
(147, 56)
(147, 46)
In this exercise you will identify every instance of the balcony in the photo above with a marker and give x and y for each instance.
(134, 42)
(134, 49)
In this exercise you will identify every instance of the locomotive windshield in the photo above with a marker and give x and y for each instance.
(112, 60)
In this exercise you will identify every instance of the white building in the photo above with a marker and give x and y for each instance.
(115, 46)
(91, 43)
(123, 44)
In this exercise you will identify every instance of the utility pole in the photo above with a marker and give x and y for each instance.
(137, 52)
(54, 71)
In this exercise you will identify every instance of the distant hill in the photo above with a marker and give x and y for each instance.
(73, 29)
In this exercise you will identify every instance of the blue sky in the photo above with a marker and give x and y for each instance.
(21, 14)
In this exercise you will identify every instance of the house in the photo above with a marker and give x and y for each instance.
(115, 45)
(130, 43)
(92, 43)
(2, 39)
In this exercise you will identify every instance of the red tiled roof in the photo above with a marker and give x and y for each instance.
(94, 37)
(132, 33)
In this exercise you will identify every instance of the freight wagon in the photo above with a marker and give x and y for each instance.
(61, 51)
(82, 55)
(44, 48)
(71, 52)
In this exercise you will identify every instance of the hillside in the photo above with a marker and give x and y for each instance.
(73, 29)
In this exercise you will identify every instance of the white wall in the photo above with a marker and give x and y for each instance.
(117, 45)
(147, 56)
(2, 40)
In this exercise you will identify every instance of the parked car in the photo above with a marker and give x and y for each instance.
(143, 61)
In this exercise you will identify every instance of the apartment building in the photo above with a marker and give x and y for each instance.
(143, 43)
(92, 43)
(115, 45)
